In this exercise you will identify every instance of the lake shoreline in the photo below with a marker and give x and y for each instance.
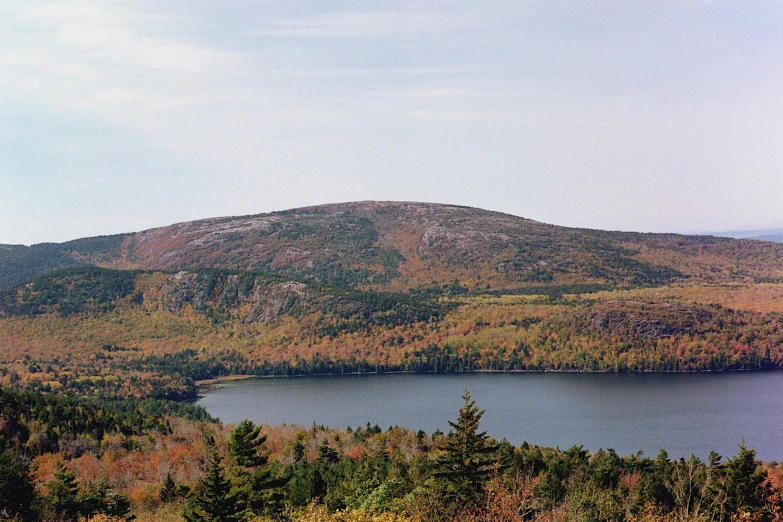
(238, 377)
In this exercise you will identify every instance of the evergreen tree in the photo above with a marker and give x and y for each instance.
(98, 497)
(169, 491)
(16, 487)
(744, 482)
(214, 499)
(117, 505)
(256, 481)
(297, 450)
(326, 454)
(265, 494)
(307, 483)
(246, 446)
(62, 493)
(469, 457)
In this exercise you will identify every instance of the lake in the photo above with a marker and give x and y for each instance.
(682, 413)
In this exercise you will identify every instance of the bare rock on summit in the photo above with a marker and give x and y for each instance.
(403, 246)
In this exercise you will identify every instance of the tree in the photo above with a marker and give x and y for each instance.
(246, 446)
(62, 493)
(214, 499)
(326, 454)
(100, 498)
(171, 491)
(744, 484)
(168, 492)
(307, 483)
(687, 484)
(259, 486)
(16, 487)
(469, 457)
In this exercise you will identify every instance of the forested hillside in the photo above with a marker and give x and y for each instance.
(19, 263)
(136, 333)
(367, 287)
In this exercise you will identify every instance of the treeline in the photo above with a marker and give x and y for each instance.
(654, 336)
(546, 350)
(552, 292)
(464, 476)
(188, 366)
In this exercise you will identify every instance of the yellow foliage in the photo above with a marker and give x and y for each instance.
(166, 513)
(102, 517)
(319, 513)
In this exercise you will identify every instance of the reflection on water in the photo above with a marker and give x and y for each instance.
(683, 413)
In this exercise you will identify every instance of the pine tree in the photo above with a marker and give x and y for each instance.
(469, 457)
(214, 499)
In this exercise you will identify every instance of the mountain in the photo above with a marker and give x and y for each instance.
(392, 246)
(380, 286)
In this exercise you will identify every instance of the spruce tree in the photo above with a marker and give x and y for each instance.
(62, 493)
(246, 446)
(17, 491)
(469, 457)
(745, 490)
(260, 488)
(214, 499)
(326, 454)
(168, 492)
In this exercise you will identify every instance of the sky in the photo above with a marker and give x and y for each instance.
(118, 116)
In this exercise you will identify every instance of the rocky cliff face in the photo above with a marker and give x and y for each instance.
(266, 300)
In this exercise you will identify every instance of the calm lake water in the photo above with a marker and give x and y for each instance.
(683, 413)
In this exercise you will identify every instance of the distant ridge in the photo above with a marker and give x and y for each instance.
(772, 234)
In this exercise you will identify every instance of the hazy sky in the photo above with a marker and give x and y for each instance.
(118, 116)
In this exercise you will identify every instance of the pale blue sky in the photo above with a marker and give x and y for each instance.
(118, 116)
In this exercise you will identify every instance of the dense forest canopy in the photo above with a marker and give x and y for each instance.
(64, 459)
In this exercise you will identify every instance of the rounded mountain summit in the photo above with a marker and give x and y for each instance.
(408, 246)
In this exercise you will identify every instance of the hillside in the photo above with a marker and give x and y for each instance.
(367, 287)
(18, 263)
(389, 246)
(136, 333)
